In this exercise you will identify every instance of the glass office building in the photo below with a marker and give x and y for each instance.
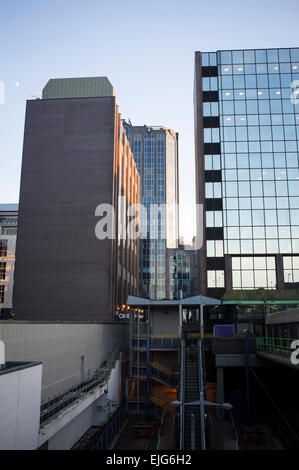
(156, 156)
(247, 130)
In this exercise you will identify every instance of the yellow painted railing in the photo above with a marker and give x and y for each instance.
(156, 336)
(158, 401)
(158, 366)
(163, 368)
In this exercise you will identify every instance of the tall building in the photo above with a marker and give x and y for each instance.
(8, 235)
(75, 157)
(182, 266)
(247, 171)
(155, 151)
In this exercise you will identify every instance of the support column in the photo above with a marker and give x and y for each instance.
(220, 392)
(148, 363)
(138, 362)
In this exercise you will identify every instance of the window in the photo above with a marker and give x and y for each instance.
(3, 248)
(1, 294)
(291, 269)
(253, 272)
(215, 279)
(2, 271)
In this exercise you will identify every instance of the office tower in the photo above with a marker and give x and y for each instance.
(8, 235)
(155, 152)
(247, 129)
(182, 272)
(75, 157)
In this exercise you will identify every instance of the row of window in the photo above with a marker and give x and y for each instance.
(8, 221)
(261, 232)
(261, 246)
(3, 248)
(251, 133)
(258, 174)
(257, 189)
(2, 271)
(258, 56)
(245, 218)
(271, 106)
(2, 294)
(255, 272)
(259, 120)
(262, 81)
(254, 160)
(278, 146)
(262, 68)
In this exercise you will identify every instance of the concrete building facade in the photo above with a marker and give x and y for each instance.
(75, 158)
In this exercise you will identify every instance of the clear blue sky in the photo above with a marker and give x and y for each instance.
(145, 48)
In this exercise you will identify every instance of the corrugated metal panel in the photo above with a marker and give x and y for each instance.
(9, 207)
(85, 87)
(60, 347)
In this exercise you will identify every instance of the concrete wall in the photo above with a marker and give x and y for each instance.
(60, 346)
(63, 272)
(20, 396)
(164, 323)
(96, 414)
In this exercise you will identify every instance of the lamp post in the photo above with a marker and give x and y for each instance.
(202, 404)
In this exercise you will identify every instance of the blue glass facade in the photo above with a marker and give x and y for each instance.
(155, 154)
(247, 125)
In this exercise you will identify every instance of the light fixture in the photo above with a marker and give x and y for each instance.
(241, 93)
(242, 119)
(227, 94)
(295, 67)
(278, 92)
(240, 69)
(260, 92)
(276, 67)
(226, 69)
(228, 119)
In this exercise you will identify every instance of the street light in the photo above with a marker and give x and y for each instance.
(226, 406)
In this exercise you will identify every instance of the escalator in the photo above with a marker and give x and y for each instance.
(191, 393)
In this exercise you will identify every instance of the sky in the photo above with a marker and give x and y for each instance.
(146, 49)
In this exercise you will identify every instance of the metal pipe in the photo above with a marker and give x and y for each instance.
(138, 360)
(192, 431)
(247, 379)
(182, 394)
(148, 364)
(201, 381)
(131, 342)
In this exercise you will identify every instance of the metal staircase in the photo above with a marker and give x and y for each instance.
(157, 372)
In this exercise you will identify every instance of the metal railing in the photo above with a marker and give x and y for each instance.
(159, 342)
(274, 345)
(61, 401)
(111, 428)
(168, 376)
